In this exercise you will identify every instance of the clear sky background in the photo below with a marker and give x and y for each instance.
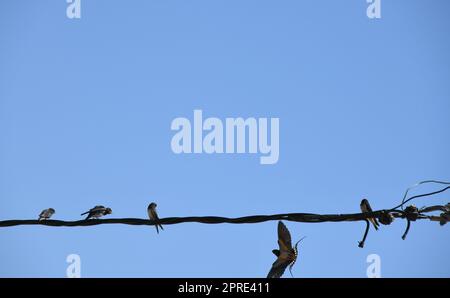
(86, 107)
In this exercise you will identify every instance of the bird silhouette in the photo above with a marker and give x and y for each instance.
(152, 215)
(46, 214)
(97, 212)
(365, 207)
(286, 255)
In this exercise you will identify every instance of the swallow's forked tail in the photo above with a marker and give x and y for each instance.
(158, 225)
(296, 255)
(374, 223)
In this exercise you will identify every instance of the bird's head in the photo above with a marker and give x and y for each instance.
(108, 211)
(276, 252)
(152, 205)
(51, 210)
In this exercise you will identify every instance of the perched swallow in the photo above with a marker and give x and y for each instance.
(151, 210)
(365, 207)
(286, 255)
(46, 214)
(97, 212)
(446, 215)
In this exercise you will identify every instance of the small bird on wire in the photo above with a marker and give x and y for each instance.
(46, 214)
(286, 255)
(365, 207)
(152, 215)
(445, 216)
(97, 212)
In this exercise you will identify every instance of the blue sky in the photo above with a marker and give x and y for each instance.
(86, 107)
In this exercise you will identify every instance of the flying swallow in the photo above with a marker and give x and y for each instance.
(365, 207)
(286, 255)
(152, 215)
(97, 212)
(46, 214)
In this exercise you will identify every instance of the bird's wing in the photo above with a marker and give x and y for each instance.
(284, 237)
(278, 268)
(154, 214)
(367, 205)
(99, 207)
(95, 209)
(42, 213)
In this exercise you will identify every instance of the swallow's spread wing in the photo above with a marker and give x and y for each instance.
(284, 237)
(278, 268)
